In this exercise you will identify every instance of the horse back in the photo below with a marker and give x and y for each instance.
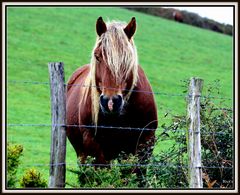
(78, 76)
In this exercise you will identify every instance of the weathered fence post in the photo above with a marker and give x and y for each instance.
(58, 135)
(194, 137)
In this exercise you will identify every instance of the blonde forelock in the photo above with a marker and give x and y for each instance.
(120, 55)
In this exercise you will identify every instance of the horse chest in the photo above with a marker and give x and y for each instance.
(114, 141)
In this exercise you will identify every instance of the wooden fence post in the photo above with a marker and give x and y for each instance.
(58, 135)
(194, 137)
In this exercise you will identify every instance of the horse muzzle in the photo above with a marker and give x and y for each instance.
(111, 105)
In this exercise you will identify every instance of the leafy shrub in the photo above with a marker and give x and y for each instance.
(14, 152)
(217, 146)
(217, 141)
(169, 168)
(105, 177)
(32, 178)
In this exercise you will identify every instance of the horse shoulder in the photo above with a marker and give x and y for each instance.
(144, 101)
(74, 93)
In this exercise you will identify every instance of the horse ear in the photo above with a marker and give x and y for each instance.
(100, 26)
(130, 28)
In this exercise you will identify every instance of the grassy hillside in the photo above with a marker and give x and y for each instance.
(169, 52)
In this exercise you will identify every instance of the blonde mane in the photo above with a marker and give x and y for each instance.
(120, 54)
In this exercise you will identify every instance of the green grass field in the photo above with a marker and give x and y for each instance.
(169, 52)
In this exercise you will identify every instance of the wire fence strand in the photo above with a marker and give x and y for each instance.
(127, 165)
(136, 91)
(114, 127)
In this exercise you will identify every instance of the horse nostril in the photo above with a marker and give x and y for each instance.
(117, 100)
(103, 100)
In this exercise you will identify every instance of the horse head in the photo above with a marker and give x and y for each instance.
(114, 64)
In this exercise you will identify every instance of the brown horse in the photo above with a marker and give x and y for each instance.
(177, 15)
(112, 91)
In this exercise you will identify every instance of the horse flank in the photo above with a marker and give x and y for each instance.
(120, 54)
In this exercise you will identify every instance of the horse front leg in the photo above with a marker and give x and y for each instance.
(92, 148)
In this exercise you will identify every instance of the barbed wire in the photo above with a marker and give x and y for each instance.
(83, 85)
(137, 91)
(125, 165)
(29, 82)
(114, 127)
(223, 109)
(125, 128)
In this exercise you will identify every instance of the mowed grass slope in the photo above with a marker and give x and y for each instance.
(168, 52)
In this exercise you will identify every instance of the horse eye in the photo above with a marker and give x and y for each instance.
(100, 86)
(97, 57)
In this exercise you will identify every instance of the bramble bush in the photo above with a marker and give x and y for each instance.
(217, 145)
(217, 141)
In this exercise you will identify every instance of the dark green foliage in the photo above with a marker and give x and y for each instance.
(217, 140)
(188, 18)
(14, 152)
(33, 179)
(169, 168)
(217, 146)
(105, 177)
